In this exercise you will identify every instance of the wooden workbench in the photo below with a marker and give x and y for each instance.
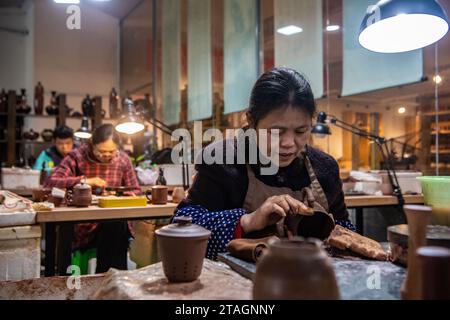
(92, 214)
(72, 214)
(379, 201)
(360, 202)
(217, 282)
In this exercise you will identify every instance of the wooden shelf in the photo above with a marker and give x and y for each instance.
(441, 132)
(41, 116)
(443, 151)
(33, 142)
(432, 113)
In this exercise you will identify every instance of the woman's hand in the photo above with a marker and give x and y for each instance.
(272, 210)
(97, 182)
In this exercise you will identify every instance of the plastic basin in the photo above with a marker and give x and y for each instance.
(436, 191)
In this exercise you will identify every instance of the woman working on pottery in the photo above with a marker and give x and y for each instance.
(100, 164)
(236, 200)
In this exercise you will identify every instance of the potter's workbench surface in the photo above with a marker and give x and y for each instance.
(357, 279)
(217, 282)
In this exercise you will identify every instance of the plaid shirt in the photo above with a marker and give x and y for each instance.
(80, 164)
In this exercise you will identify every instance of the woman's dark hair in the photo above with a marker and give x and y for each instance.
(104, 133)
(63, 132)
(278, 88)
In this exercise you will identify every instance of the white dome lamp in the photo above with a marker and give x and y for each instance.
(393, 26)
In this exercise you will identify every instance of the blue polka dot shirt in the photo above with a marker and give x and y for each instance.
(222, 225)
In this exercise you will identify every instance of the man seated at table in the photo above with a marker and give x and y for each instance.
(52, 156)
(99, 163)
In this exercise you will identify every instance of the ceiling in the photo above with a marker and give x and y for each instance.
(11, 3)
(415, 93)
(115, 8)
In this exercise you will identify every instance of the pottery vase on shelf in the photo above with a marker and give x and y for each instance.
(87, 106)
(22, 106)
(52, 109)
(39, 99)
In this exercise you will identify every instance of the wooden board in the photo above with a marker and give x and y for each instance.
(92, 213)
(379, 201)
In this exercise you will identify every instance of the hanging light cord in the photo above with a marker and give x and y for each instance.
(436, 105)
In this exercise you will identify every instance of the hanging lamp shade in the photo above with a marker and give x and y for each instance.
(83, 132)
(393, 26)
(130, 123)
(321, 129)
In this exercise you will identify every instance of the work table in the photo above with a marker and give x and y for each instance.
(92, 214)
(217, 282)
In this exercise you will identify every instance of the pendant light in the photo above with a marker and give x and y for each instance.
(321, 128)
(83, 132)
(393, 26)
(130, 123)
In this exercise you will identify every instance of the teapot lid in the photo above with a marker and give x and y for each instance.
(82, 186)
(183, 228)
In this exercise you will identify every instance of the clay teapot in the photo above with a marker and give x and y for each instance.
(182, 246)
(295, 269)
(80, 196)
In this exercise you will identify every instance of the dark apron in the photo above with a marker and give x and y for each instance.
(317, 226)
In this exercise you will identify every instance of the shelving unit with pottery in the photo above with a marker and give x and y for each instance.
(428, 140)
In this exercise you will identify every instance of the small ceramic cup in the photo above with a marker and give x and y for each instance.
(159, 194)
(178, 194)
(41, 195)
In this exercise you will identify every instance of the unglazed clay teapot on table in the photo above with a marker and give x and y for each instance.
(80, 195)
(296, 269)
(182, 246)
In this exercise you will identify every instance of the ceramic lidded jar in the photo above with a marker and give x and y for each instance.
(47, 135)
(31, 135)
(182, 247)
(295, 269)
(82, 195)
